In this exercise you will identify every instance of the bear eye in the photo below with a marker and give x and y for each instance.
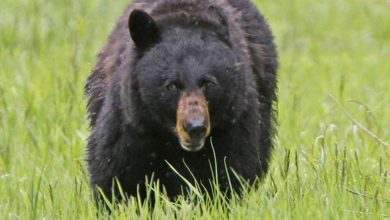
(172, 87)
(207, 83)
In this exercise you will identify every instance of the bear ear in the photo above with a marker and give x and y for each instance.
(218, 14)
(143, 29)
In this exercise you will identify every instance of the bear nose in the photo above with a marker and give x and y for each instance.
(196, 128)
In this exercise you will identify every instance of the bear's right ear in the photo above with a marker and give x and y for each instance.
(143, 29)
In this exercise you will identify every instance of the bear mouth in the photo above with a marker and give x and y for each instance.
(192, 147)
(192, 120)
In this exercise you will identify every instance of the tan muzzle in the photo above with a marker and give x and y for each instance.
(193, 121)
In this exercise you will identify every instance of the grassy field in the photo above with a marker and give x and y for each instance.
(332, 153)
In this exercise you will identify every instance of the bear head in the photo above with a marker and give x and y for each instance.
(189, 78)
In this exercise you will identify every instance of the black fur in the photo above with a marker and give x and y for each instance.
(133, 114)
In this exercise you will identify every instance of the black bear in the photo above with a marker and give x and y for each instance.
(183, 84)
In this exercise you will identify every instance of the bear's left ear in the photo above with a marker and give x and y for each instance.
(143, 29)
(221, 18)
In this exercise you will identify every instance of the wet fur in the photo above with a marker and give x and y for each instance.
(127, 142)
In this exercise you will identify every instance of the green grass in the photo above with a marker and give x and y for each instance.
(335, 63)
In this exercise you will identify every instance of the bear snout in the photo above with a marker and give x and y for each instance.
(196, 128)
(193, 120)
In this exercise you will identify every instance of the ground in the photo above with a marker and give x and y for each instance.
(324, 165)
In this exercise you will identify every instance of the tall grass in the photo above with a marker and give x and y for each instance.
(331, 157)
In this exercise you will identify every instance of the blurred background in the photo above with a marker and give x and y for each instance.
(331, 157)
